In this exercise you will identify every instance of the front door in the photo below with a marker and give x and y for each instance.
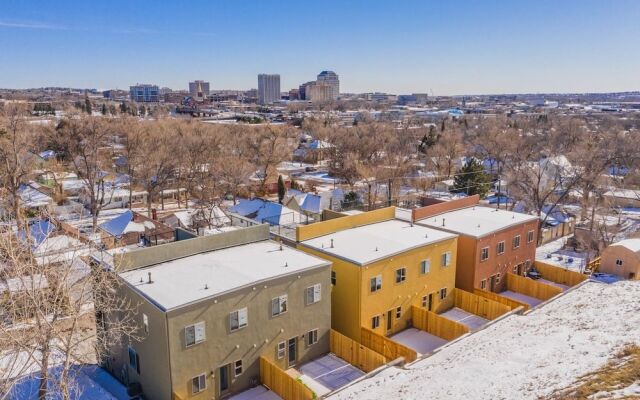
(223, 379)
(492, 283)
(430, 304)
(389, 320)
(519, 269)
(292, 346)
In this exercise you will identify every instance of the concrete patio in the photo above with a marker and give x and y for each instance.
(472, 321)
(418, 340)
(327, 373)
(532, 301)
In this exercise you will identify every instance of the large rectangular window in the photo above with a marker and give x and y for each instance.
(313, 293)
(425, 266)
(312, 337)
(279, 305)
(238, 319)
(376, 283)
(198, 383)
(500, 248)
(237, 368)
(401, 275)
(194, 334)
(375, 322)
(484, 254)
(530, 236)
(443, 293)
(446, 259)
(516, 241)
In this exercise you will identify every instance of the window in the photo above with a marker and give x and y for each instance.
(619, 262)
(198, 384)
(376, 283)
(375, 322)
(238, 319)
(312, 337)
(313, 293)
(446, 259)
(398, 312)
(333, 277)
(529, 236)
(281, 350)
(279, 305)
(145, 323)
(497, 278)
(484, 254)
(516, 241)
(443, 293)
(237, 368)
(401, 275)
(134, 360)
(425, 266)
(500, 248)
(483, 284)
(424, 301)
(194, 334)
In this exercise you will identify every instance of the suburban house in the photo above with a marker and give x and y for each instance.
(210, 307)
(492, 242)
(558, 223)
(382, 266)
(131, 228)
(622, 259)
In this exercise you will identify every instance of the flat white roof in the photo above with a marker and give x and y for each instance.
(476, 221)
(369, 243)
(190, 279)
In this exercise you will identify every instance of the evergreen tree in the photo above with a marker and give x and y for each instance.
(471, 179)
(87, 105)
(104, 109)
(123, 108)
(282, 189)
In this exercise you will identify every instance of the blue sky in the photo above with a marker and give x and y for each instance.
(402, 46)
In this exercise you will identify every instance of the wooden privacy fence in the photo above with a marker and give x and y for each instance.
(559, 275)
(531, 288)
(437, 325)
(355, 353)
(283, 384)
(478, 305)
(385, 346)
(513, 304)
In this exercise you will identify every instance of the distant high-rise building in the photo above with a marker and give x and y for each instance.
(302, 90)
(319, 93)
(199, 90)
(294, 94)
(330, 78)
(144, 93)
(268, 88)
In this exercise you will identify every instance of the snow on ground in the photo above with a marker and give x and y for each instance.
(420, 341)
(532, 301)
(256, 393)
(472, 321)
(631, 391)
(521, 357)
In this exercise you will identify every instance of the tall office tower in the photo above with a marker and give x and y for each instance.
(144, 93)
(330, 78)
(199, 90)
(268, 88)
(319, 93)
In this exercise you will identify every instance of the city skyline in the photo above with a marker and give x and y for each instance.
(445, 49)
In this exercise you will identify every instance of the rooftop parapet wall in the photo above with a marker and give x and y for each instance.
(171, 251)
(305, 232)
(439, 208)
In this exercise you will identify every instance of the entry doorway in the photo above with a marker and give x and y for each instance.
(492, 283)
(224, 379)
(292, 351)
(430, 302)
(389, 320)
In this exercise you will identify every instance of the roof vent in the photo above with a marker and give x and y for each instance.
(286, 264)
(442, 221)
(426, 235)
(332, 243)
(280, 246)
(478, 225)
(150, 281)
(376, 248)
(513, 216)
(206, 287)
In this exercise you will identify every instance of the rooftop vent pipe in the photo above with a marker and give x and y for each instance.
(442, 221)
(332, 243)
(150, 281)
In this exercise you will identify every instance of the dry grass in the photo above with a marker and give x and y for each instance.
(621, 371)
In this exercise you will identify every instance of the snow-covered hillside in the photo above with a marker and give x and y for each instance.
(521, 357)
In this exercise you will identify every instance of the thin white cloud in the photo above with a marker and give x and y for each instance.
(31, 25)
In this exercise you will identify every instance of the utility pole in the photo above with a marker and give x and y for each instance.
(389, 194)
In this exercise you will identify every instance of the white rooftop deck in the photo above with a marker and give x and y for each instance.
(369, 243)
(193, 278)
(476, 221)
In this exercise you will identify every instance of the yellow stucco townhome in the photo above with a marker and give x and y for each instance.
(381, 266)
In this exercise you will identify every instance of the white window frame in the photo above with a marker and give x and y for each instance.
(483, 284)
(484, 254)
(375, 322)
(530, 236)
(513, 242)
(145, 323)
(425, 301)
(282, 305)
(235, 368)
(401, 275)
(313, 294)
(378, 283)
(199, 333)
(240, 313)
(398, 312)
(425, 266)
(500, 247)
(202, 378)
(445, 259)
(441, 291)
(312, 337)
(281, 350)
